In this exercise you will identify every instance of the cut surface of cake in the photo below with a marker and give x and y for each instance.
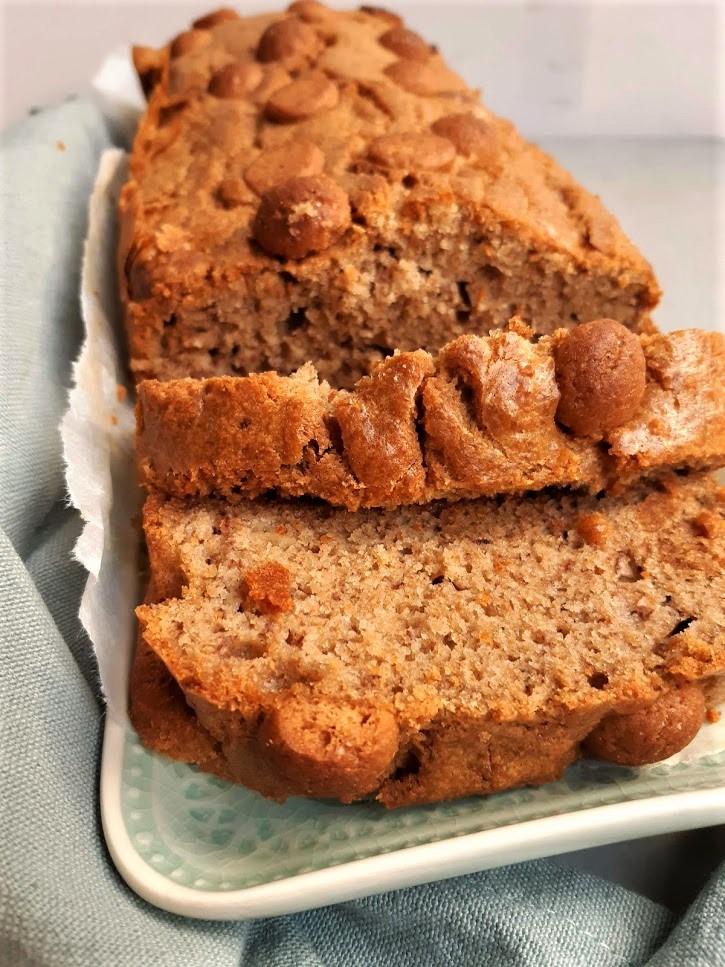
(440, 651)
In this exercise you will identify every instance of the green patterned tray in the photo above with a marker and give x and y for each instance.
(196, 845)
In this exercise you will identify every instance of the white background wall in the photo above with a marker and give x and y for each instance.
(595, 67)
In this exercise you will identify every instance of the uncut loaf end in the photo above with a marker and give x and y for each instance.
(319, 185)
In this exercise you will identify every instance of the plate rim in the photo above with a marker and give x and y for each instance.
(397, 869)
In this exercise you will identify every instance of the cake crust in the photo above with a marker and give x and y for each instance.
(480, 418)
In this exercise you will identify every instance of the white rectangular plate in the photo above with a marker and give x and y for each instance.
(194, 845)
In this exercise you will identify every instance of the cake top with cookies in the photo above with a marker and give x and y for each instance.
(333, 172)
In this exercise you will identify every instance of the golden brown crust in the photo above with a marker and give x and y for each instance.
(679, 398)
(453, 759)
(379, 430)
(467, 757)
(149, 65)
(480, 419)
(651, 733)
(328, 749)
(163, 720)
(454, 216)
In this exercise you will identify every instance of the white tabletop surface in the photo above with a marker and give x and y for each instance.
(669, 195)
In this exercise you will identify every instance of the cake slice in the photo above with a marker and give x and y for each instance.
(319, 185)
(593, 408)
(440, 651)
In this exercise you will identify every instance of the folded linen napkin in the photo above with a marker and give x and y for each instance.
(61, 900)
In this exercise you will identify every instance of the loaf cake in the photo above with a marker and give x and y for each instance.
(319, 185)
(432, 652)
(594, 407)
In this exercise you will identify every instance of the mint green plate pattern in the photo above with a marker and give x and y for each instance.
(212, 836)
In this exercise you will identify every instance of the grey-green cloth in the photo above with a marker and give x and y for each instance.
(61, 900)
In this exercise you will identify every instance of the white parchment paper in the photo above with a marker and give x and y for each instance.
(118, 93)
(98, 432)
(98, 439)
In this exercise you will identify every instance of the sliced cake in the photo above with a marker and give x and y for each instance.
(439, 651)
(593, 408)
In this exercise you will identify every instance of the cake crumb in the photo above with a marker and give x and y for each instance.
(516, 324)
(121, 393)
(712, 716)
(483, 694)
(60, 145)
